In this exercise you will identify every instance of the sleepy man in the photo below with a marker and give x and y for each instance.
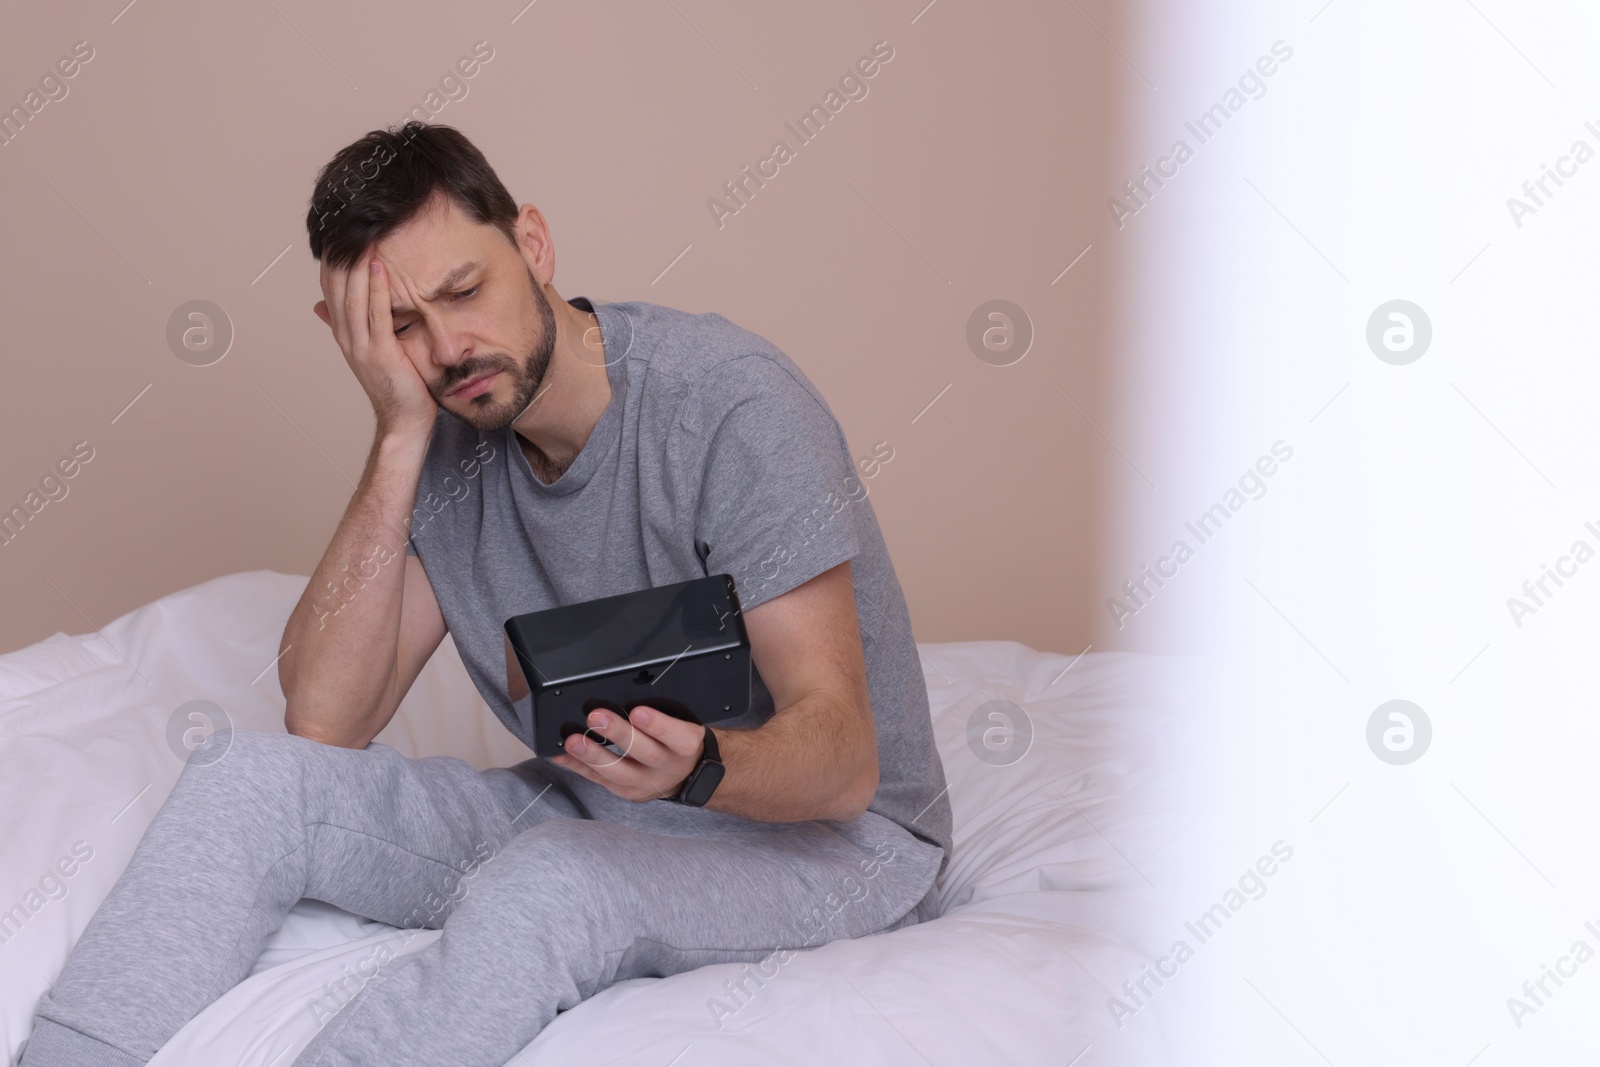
(533, 451)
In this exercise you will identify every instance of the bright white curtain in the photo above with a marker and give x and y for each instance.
(1375, 165)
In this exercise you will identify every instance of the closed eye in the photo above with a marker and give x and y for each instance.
(464, 294)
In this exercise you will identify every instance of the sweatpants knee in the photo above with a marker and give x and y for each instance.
(245, 765)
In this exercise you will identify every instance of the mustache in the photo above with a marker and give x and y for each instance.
(467, 371)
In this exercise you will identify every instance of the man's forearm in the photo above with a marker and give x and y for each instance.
(340, 645)
(816, 759)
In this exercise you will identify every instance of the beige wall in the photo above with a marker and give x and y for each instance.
(179, 163)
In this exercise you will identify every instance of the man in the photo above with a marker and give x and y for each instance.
(539, 452)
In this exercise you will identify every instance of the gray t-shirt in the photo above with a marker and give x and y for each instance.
(715, 455)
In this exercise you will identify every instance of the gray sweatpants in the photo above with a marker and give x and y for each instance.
(548, 889)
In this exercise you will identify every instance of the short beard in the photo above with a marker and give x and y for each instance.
(527, 378)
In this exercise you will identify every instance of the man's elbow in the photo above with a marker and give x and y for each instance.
(856, 797)
(300, 726)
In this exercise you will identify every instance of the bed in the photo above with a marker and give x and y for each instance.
(1062, 808)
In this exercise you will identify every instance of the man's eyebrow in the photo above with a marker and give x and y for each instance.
(451, 280)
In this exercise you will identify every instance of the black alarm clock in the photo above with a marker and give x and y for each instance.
(680, 648)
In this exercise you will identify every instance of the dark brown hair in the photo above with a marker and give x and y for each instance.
(373, 185)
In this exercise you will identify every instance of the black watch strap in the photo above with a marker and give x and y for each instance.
(706, 776)
(710, 750)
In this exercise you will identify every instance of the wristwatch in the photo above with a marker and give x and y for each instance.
(706, 776)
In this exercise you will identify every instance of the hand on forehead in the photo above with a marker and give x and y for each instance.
(404, 289)
(422, 250)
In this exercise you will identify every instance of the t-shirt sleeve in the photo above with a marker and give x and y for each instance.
(778, 482)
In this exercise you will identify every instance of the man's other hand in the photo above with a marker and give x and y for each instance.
(356, 308)
(658, 749)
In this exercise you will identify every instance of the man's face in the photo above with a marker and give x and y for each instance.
(465, 305)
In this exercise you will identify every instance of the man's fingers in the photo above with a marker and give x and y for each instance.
(380, 323)
(635, 743)
(357, 283)
(333, 288)
(658, 750)
(618, 768)
(625, 777)
(680, 737)
(622, 775)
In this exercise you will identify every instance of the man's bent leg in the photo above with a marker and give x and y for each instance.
(570, 906)
(236, 844)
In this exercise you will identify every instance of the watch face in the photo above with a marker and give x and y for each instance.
(703, 784)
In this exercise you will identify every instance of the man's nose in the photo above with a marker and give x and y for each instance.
(451, 347)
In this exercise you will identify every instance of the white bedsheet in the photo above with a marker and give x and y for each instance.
(1047, 895)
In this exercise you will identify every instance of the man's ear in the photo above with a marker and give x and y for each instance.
(321, 308)
(534, 243)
